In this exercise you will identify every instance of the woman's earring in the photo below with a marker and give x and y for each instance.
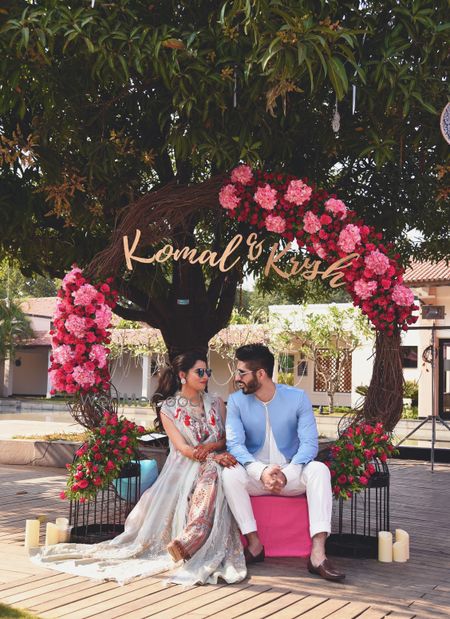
(183, 381)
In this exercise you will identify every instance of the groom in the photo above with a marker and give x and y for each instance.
(272, 432)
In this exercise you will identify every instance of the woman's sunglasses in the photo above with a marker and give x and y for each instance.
(201, 372)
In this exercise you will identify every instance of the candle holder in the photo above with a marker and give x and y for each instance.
(103, 518)
(359, 518)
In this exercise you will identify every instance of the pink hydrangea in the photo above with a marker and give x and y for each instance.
(76, 325)
(98, 355)
(103, 316)
(364, 289)
(274, 223)
(311, 223)
(228, 198)
(242, 174)
(402, 295)
(320, 251)
(71, 277)
(298, 192)
(377, 262)
(349, 237)
(337, 207)
(83, 376)
(62, 354)
(84, 295)
(266, 197)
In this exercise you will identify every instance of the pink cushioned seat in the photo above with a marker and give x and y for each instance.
(283, 525)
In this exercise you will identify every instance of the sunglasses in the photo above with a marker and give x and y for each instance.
(243, 372)
(202, 371)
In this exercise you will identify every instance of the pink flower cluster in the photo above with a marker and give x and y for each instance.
(377, 262)
(365, 289)
(402, 295)
(281, 204)
(274, 223)
(311, 223)
(242, 174)
(349, 238)
(228, 198)
(266, 197)
(79, 337)
(337, 207)
(298, 192)
(98, 461)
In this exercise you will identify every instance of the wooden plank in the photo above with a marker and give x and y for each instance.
(105, 601)
(252, 604)
(349, 611)
(281, 604)
(239, 595)
(221, 597)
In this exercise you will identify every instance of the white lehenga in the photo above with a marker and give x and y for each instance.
(161, 515)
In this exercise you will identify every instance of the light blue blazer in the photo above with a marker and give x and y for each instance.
(291, 418)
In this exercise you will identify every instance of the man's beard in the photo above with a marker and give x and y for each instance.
(250, 387)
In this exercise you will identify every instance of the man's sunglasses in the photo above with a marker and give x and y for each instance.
(202, 371)
(243, 372)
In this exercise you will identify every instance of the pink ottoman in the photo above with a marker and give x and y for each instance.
(283, 525)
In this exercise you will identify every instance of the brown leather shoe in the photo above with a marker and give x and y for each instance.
(326, 570)
(249, 558)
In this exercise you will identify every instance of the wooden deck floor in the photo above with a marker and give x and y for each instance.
(420, 503)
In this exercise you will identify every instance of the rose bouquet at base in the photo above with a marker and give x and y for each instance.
(352, 455)
(100, 459)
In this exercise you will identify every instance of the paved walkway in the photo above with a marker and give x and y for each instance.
(420, 503)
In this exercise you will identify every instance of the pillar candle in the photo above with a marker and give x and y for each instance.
(385, 546)
(51, 534)
(400, 552)
(32, 533)
(402, 536)
(63, 529)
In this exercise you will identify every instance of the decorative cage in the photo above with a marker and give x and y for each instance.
(359, 518)
(103, 518)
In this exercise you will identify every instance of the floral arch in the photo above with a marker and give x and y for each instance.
(292, 208)
(277, 205)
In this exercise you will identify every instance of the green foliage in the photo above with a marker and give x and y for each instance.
(99, 105)
(410, 412)
(8, 612)
(13, 283)
(411, 390)
(14, 328)
(286, 378)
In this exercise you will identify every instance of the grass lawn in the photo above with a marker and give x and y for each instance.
(7, 612)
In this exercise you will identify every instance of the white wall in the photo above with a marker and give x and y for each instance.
(30, 378)
(126, 375)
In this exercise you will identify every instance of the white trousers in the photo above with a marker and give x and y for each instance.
(314, 479)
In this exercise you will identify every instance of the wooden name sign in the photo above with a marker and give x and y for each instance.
(307, 269)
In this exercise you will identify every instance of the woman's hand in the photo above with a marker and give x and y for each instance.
(225, 459)
(201, 452)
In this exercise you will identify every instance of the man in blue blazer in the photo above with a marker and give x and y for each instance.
(272, 433)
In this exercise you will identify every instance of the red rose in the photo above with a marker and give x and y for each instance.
(98, 481)
(98, 457)
(62, 495)
(103, 431)
(342, 479)
(356, 461)
(363, 480)
(83, 483)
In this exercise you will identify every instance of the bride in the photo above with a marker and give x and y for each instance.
(184, 515)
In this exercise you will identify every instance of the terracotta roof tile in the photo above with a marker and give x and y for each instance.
(423, 273)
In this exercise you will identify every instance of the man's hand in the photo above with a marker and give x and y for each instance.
(273, 479)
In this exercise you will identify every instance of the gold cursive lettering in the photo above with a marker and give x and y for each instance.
(229, 249)
(273, 258)
(339, 265)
